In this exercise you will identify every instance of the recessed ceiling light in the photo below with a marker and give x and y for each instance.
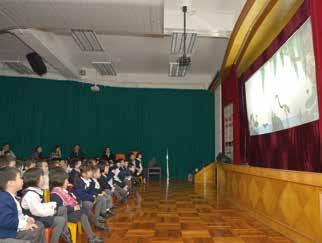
(87, 40)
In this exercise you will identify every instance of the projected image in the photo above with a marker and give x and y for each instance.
(282, 93)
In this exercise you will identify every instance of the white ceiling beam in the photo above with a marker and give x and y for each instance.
(51, 49)
(219, 24)
(148, 80)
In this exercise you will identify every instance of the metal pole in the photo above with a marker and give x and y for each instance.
(184, 9)
(167, 158)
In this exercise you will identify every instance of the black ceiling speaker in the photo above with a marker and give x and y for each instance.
(36, 63)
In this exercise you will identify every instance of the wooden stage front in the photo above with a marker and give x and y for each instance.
(184, 212)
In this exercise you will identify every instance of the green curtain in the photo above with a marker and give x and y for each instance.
(48, 112)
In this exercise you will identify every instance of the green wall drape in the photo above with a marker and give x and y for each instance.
(48, 112)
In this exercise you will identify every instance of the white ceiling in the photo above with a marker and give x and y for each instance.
(132, 32)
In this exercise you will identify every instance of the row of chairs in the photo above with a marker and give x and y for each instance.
(150, 170)
(122, 156)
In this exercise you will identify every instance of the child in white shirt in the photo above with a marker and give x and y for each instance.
(32, 204)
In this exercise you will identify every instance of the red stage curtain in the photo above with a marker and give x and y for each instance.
(315, 8)
(297, 148)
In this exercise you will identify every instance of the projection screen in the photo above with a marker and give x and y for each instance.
(282, 93)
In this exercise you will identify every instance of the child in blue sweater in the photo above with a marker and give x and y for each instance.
(100, 192)
(13, 223)
(84, 192)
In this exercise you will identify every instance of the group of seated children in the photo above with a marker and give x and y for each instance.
(80, 191)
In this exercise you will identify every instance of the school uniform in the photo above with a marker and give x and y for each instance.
(74, 177)
(139, 166)
(13, 223)
(120, 187)
(122, 173)
(33, 205)
(84, 193)
(108, 182)
(65, 198)
(97, 189)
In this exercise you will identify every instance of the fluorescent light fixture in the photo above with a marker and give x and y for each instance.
(18, 66)
(104, 68)
(87, 40)
(178, 40)
(175, 70)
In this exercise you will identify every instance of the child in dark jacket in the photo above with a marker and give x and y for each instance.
(119, 185)
(105, 178)
(84, 193)
(75, 212)
(100, 192)
(107, 183)
(13, 223)
(74, 174)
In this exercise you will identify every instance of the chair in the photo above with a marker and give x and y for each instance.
(119, 156)
(154, 171)
(47, 234)
(74, 227)
(46, 195)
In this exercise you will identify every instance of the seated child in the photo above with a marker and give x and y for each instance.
(139, 167)
(132, 159)
(119, 185)
(30, 164)
(75, 212)
(13, 223)
(19, 165)
(43, 165)
(63, 164)
(138, 164)
(129, 175)
(106, 180)
(99, 192)
(117, 180)
(122, 169)
(7, 161)
(84, 193)
(53, 163)
(32, 204)
(74, 174)
(107, 183)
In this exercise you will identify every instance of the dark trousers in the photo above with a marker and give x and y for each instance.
(33, 236)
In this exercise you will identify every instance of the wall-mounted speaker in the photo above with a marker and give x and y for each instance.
(36, 63)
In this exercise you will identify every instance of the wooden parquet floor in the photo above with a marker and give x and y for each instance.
(185, 213)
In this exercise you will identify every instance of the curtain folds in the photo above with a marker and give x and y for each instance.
(47, 112)
(297, 148)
